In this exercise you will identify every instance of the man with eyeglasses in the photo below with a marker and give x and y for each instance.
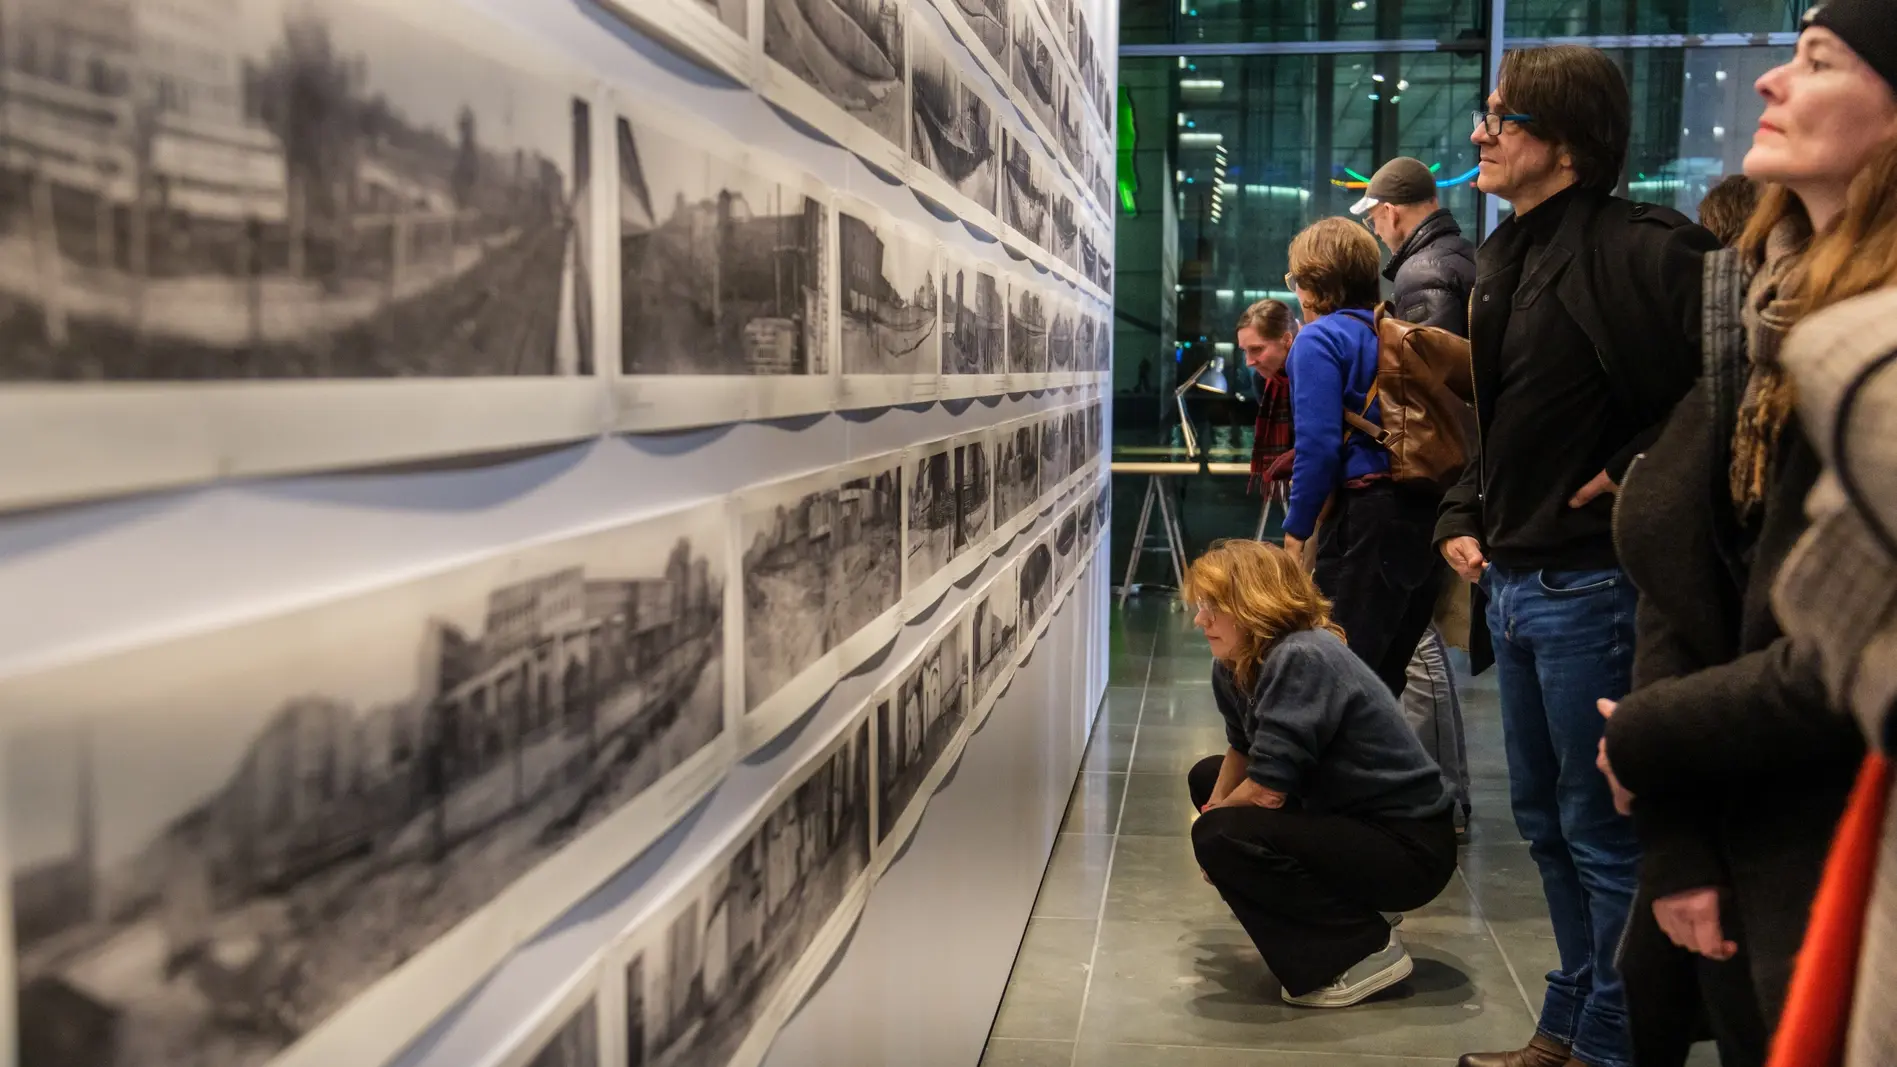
(1584, 332)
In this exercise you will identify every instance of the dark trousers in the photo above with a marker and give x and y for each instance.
(1308, 888)
(1377, 563)
(1676, 997)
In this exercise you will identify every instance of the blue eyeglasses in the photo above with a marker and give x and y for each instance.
(1491, 121)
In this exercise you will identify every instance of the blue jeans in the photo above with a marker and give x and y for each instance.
(1564, 639)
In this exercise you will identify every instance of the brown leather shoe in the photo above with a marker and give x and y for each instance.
(1541, 1052)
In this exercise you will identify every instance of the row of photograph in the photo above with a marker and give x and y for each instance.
(223, 844)
(706, 978)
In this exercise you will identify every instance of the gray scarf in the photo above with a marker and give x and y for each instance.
(1771, 308)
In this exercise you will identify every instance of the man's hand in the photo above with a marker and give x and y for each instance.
(1250, 794)
(1623, 800)
(1599, 484)
(1465, 555)
(1691, 921)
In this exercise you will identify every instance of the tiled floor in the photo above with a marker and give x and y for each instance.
(1131, 960)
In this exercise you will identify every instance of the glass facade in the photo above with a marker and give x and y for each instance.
(1245, 122)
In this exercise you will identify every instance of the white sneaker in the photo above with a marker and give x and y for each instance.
(1370, 976)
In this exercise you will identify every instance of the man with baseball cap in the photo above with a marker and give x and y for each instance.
(1431, 264)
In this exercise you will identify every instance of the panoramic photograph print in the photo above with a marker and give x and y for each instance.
(1083, 342)
(721, 270)
(339, 195)
(993, 633)
(849, 51)
(889, 298)
(1080, 448)
(974, 320)
(1027, 328)
(1070, 127)
(1037, 590)
(1031, 65)
(575, 1044)
(974, 493)
(1062, 334)
(1066, 546)
(1024, 197)
(1053, 451)
(865, 554)
(1064, 230)
(217, 843)
(930, 533)
(915, 726)
(1017, 470)
(989, 20)
(953, 129)
(785, 533)
(701, 980)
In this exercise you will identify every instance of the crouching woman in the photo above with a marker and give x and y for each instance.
(1325, 813)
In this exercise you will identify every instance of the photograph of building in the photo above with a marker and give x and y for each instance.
(576, 1044)
(721, 269)
(1027, 328)
(914, 729)
(993, 632)
(1037, 589)
(865, 558)
(929, 540)
(974, 494)
(850, 51)
(1017, 470)
(1031, 65)
(974, 321)
(889, 297)
(789, 548)
(218, 858)
(1024, 195)
(989, 20)
(702, 979)
(267, 189)
(952, 129)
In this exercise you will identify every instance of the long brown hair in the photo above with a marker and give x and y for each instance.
(1855, 255)
(1266, 592)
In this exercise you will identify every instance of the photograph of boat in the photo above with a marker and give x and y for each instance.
(1023, 194)
(850, 51)
(953, 130)
(890, 297)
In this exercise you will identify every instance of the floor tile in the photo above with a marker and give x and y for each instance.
(1174, 749)
(1156, 879)
(1181, 706)
(1019, 1052)
(1101, 1055)
(1190, 983)
(1049, 980)
(1110, 750)
(1157, 805)
(1076, 877)
(1188, 668)
(1123, 703)
(1094, 807)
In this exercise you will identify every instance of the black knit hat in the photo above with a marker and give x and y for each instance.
(1865, 25)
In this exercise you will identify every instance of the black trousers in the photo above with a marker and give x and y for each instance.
(1377, 563)
(1308, 888)
(1676, 997)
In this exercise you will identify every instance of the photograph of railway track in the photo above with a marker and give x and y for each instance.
(974, 493)
(974, 320)
(993, 632)
(1062, 333)
(1027, 328)
(1037, 590)
(698, 984)
(1024, 195)
(953, 129)
(929, 537)
(575, 1044)
(1017, 469)
(914, 728)
(849, 51)
(889, 297)
(409, 210)
(989, 20)
(217, 843)
(722, 269)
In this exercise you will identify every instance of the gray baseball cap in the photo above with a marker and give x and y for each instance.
(1402, 180)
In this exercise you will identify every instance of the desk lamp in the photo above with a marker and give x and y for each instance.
(1210, 377)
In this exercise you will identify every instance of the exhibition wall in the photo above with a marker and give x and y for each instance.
(544, 534)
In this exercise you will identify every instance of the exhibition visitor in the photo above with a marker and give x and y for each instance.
(1583, 336)
(1324, 813)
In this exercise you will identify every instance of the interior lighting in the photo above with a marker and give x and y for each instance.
(1374, 96)
(1719, 75)
(1376, 77)
(1402, 84)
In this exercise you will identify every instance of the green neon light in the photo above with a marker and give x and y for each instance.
(1129, 141)
(1356, 176)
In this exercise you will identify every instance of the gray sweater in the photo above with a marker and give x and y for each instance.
(1322, 728)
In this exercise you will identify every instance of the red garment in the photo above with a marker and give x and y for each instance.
(1272, 440)
(1818, 1008)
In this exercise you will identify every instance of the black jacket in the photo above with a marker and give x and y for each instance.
(1628, 276)
(1433, 273)
(1738, 766)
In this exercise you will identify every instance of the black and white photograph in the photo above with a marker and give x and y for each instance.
(929, 535)
(1064, 230)
(1079, 445)
(993, 632)
(953, 129)
(1070, 114)
(1062, 334)
(1027, 328)
(1017, 469)
(733, 14)
(974, 320)
(311, 190)
(849, 51)
(1104, 276)
(218, 843)
(989, 20)
(1037, 591)
(974, 493)
(1095, 444)
(575, 1044)
(1032, 66)
(1086, 55)
(1102, 164)
(721, 268)
(1053, 451)
(1066, 546)
(1089, 254)
(785, 533)
(1083, 342)
(703, 978)
(890, 297)
(1102, 501)
(914, 728)
(865, 559)
(1085, 512)
(1024, 194)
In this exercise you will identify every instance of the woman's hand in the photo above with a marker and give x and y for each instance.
(1250, 794)
(1691, 921)
(1623, 800)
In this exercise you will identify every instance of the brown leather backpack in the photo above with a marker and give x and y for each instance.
(1424, 381)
